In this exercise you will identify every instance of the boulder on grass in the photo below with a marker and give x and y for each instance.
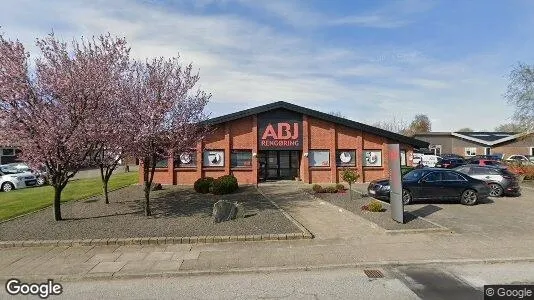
(156, 187)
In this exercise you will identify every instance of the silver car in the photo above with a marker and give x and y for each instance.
(500, 180)
(40, 175)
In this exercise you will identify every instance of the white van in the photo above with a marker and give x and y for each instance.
(428, 160)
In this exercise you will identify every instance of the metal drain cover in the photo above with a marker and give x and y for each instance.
(373, 273)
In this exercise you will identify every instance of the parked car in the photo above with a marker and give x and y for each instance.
(486, 162)
(434, 184)
(496, 156)
(12, 180)
(451, 155)
(500, 180)
(449, 163)
(525, 159)
(428, 160)
(40, 174)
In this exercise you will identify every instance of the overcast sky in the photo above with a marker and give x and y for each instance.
(370, 60)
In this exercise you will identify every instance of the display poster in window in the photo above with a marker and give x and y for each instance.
(280, 130)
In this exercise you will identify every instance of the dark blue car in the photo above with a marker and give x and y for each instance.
(434, 184)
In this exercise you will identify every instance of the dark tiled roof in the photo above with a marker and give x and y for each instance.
(487, 136)
(318, 115)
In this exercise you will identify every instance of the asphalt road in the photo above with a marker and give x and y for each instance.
(413, 282)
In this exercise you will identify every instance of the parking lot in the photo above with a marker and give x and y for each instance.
(495, 218)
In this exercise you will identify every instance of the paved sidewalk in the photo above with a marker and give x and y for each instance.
(342, 239)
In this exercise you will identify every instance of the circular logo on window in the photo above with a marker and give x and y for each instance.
(345, 157)
(371, 157)
(185, 158)
(214, 158)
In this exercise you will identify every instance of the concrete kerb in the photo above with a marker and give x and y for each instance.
(63, 203)
(267, 270)
(440, 228)
(156, 240)
(306, 233)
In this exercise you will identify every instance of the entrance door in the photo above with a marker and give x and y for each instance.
(281, 164)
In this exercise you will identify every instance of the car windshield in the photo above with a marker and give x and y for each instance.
(8, 170)
(414, 175)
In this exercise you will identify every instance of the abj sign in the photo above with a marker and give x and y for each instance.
(280, 130)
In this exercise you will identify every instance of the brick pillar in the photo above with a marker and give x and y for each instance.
(227, 153)
(255, 149)
(200, 154)
(304, 166)
(359, 157)
(385, 156)
(333, 147)
(170, 169)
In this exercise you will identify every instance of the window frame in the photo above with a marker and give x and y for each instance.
(13, 152)
(364, 160)
(235, 151)
(310, 156)
(423, 179)
(352, 152)
(180, 165)
(223, 159)
(434, 148)
(466, 149)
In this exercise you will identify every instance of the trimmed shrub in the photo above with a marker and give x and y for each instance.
(374, 206)
(203, 185)
(317, 188)
(330, 189)
(340, 187)
(224, 185)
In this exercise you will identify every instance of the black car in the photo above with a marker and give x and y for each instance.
(500, 180)
(449, 163)
(434, 184)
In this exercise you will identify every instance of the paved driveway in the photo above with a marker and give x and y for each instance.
(496, 218)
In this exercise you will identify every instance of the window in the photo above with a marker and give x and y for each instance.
(319, 158)
(8, 152)
(403, 157)
(450, 176)
(372, 158)
(346, 158)
(531, 150)
(470, 151)
(435, 149)
(487, 151)
(162, 163)
(241, 158)
(185, 159)
(213, 158)
(431, 177)
(464, 170)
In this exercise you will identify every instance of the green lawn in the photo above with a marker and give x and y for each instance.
(23, 201)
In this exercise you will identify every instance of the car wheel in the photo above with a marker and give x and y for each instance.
(7, 186)
(40, 181)
(495, 190)
(406, 197)
(469, 197)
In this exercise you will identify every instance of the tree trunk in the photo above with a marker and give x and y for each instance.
(57, 203)
(147, 200)
(350, 191)
(105, 190)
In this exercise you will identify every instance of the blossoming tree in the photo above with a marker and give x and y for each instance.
(51, 108)
(166, 112)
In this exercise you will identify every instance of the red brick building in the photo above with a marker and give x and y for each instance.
(286, 141)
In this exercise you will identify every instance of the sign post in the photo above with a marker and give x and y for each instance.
(395, 183)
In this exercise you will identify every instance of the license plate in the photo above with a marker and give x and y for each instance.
(372, 192)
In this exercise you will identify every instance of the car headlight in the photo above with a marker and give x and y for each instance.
(386, 188)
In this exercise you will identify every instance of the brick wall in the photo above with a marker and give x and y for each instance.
(317, 135)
